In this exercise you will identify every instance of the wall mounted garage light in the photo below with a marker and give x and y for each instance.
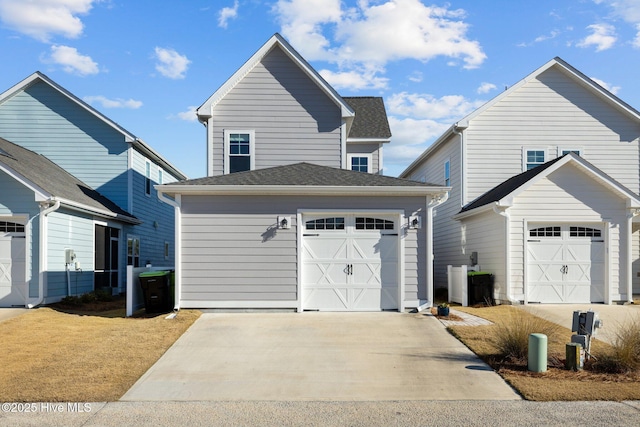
(415, 221)
(284, 222)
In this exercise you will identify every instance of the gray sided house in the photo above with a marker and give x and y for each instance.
(295, 213)
(68, 240)
(544, 191)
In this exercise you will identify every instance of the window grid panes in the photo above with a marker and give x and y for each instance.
(545, 232)
(360, 164)
(534, 158)
(363, 223)
(11, 227)
(239, 152)
(336, 223)
(584, 232)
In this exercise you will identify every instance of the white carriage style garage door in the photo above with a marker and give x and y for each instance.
(12, 264)
(350, 262)
(566, 263)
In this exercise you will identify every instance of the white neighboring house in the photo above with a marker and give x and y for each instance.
(545, 181)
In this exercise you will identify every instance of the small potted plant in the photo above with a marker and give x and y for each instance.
(443, 309)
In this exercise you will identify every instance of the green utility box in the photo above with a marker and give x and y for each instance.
(158, 290)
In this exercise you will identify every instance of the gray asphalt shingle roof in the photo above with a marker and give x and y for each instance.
(54, 180)
(371, 117)
(304, 174)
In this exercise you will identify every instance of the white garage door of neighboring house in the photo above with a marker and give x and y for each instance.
(350, 262)
(12, 265)
(566, 263)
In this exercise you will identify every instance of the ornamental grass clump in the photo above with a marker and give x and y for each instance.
(624, 356)
(511, 336)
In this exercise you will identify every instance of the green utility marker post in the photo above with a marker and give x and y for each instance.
(537, 353)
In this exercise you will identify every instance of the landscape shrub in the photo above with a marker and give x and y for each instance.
(625, 354)
(511, 336)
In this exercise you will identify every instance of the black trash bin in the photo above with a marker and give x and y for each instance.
(157, 291)
(480, 288)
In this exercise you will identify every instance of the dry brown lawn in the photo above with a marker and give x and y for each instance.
(51, 356)
(555, 384)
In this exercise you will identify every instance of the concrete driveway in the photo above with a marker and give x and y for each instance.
(612, 315)
(320, 357)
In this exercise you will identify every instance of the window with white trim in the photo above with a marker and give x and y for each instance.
(584, 232)
(534, 158)
(553, 231)
(447, 173)
(240, 150)
(359, 162)
(368, 223)
(160, 176)
(133, 251)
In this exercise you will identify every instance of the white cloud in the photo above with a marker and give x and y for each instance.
(416, 77)
(72, 61)
(410, 138)
(486, 87)
(373, 33)
(113, 103)
(41, 19)
(602, 37)
(448, 108)
(171, 64)
(354, 80)
(629, 11)
(613, 89)
(227, 13)
(189, 115)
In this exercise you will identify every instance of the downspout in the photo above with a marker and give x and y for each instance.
(431, 204)
(178, 251)
(43, 253)
(632, 214)
(507, 255)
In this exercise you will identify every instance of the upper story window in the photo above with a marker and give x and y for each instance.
(564, 151)
(359, 162)
(147, 179)
(240, 147)
(160, 176)
(447, 173)
(533, 158)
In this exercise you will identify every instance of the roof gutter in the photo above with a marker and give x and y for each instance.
(88, 209)
(300, 190)
(43, 253)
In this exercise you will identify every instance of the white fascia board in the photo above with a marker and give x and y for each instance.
(299, 190)
(205, 111)
(476, 211)
(80, 207)
(368, 140)
(40, 194)
(147, 151)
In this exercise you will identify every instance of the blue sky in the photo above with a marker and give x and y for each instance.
(147, 65)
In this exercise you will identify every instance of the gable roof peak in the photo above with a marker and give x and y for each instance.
(205, 111)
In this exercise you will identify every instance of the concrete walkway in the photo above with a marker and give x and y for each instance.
(612, 315)
(8, 313)
(318, 357)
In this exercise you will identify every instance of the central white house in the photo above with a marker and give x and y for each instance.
(294, 212)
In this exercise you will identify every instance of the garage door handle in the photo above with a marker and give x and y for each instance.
(349, 269)
(564, 269)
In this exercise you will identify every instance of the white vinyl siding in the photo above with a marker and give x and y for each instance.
(548, 112)
(294, 120)
(568, 200)
(447, 233)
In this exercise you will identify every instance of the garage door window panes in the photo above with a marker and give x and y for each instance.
(334, 223)
(363, 223)
(584, 232)
(11, 227)
(545, 232)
